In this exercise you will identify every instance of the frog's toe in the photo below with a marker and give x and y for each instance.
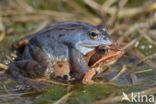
(88, 82)
(35, 85)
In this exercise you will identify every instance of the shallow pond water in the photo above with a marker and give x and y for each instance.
(136, 77)
(80, 94)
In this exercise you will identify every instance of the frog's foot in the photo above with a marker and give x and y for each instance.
(88, 77)
(88, 82)
(21, 69)
(29, 84)
(21, 44)
(33, 64)
(34, 85)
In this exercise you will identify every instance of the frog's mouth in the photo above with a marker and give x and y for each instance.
(104, 55)
(86, 47)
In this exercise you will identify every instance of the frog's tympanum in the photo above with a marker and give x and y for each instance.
(65, 50)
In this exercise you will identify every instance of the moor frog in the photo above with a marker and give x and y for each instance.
(65, 50)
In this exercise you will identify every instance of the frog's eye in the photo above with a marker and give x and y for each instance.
(94, 34)
(103, 51)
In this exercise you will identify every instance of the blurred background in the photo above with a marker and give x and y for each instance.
(131, 23)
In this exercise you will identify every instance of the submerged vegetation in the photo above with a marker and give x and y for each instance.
(132, 23)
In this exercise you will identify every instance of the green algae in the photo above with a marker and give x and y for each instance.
(52, 95)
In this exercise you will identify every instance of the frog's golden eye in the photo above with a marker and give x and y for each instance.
(94, 34)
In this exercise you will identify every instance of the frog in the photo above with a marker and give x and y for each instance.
(100, 60)
(64, 51)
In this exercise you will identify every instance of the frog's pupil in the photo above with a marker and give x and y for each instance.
(94, 34)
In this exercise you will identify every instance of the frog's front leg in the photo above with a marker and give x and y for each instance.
(87, 79)
(81, 67)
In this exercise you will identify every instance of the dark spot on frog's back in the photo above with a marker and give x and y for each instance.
(74, 25)
(60, 35)
(48, 36)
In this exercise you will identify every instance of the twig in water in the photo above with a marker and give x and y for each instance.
(52, 82)
(24, 5)
(11, 95)
(143, 71)
(63, 99)
(136, 27)
(3, 66)
(145, 35)
(2, 29)
(118, 75)
(134, 78)
(140, 55)
(108, 3)
(130, 44)
(146, 58)
(92, 4)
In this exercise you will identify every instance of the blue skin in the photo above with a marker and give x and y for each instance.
(82, 42)
(73, 43)
(68, 41)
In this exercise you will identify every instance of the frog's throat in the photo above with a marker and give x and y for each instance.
(84, 50)
(93, 44)
(86, 47)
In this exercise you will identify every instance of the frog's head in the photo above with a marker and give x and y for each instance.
(104, 55)
(86, 38)
(92, 39)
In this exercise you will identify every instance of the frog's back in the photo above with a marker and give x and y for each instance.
(54, 32)
(56, 28)
(49, 38)
(67, 25)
